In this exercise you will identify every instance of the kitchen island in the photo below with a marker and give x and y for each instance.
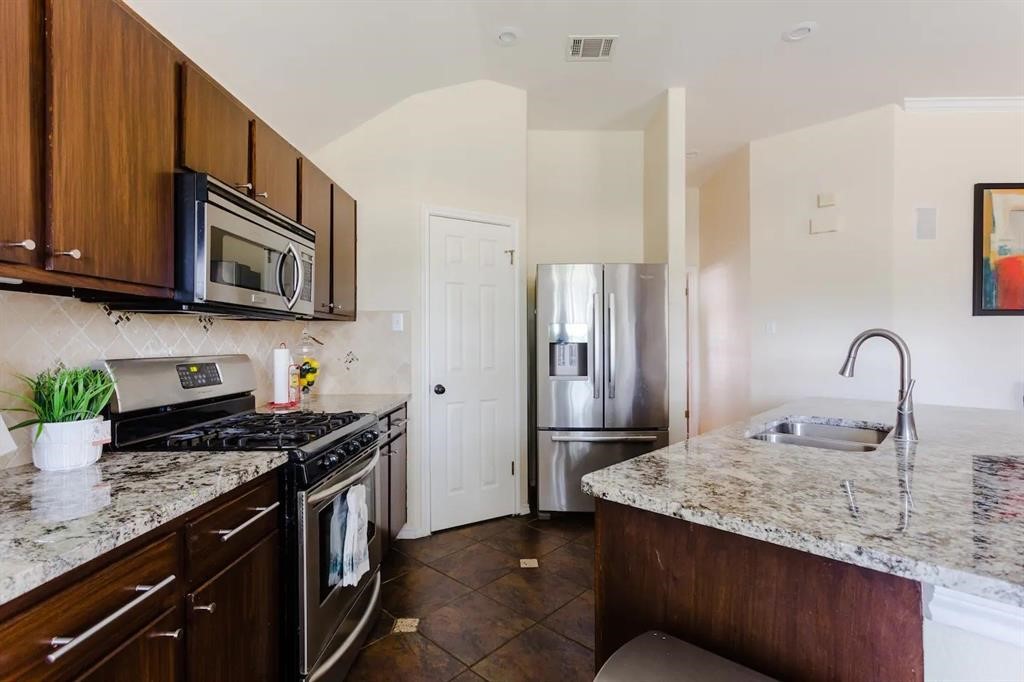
(808, 563)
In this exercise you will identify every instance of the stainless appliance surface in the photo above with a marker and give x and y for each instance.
(602, 365)
(565, 457)
(206, 403)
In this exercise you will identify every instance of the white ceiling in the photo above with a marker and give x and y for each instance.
(315, 69)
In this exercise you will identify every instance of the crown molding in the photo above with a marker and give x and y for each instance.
(964, 104)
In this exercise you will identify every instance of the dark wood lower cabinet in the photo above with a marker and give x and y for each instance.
(154, 654)
(233, 619)
(786, 613)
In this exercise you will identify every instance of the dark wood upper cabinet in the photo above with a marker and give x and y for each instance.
(275, 170)
(315, 213)
(111, 136)
(155, 654)
(343, 255)
(233, 620)
(214, 130)
(21, 110)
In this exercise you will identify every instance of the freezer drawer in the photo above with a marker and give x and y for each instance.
(564, 457)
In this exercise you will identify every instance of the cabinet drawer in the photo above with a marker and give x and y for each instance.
(92, 617)
(221, 536)
(154, 654)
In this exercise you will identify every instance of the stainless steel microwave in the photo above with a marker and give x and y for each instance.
(236, 257)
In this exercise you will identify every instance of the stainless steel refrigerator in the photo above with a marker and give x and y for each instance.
(602, 373)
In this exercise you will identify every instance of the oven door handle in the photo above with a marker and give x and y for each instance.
(327, 493)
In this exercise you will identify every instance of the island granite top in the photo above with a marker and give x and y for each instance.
(961, 526)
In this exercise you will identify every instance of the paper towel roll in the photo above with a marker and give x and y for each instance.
(282, 363)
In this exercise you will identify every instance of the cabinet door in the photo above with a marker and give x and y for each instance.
(275, 170)
(155, 654)
(233, 620)
(111, 144)
(399, 488)
(343, 250)
(214, 130)
(316, 215)
(21, 110)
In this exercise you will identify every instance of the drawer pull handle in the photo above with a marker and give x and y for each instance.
(74, 253)
(244, 185)
(67, 644)
(226, 535)
(262, 195)
(173, 634)
(27, 244)
(209, 608)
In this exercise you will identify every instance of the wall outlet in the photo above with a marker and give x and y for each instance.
(397, 322)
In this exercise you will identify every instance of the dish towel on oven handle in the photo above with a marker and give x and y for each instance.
(339, 516)
(356, 561)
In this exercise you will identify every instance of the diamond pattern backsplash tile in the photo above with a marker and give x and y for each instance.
(37, 331)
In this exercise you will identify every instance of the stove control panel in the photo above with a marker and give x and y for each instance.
(198, 375)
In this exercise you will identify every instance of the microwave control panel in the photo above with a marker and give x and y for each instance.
(199, 374)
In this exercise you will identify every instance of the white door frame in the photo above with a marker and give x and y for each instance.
(519, 371)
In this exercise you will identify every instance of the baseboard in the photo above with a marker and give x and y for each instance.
(995, 620)
(411, 533)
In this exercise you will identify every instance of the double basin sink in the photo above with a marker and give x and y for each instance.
(814, 434)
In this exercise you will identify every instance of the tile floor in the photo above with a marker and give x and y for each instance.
(481, 615)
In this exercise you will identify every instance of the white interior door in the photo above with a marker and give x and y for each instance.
(471, 371)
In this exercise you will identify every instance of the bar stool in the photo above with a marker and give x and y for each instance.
(657, 657)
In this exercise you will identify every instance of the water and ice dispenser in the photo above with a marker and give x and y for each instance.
(568, 348)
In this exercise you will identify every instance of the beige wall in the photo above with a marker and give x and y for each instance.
(655, 228)
(812, 293)
(958, 359)
(724, 294)
(585, 197)
(463, 147)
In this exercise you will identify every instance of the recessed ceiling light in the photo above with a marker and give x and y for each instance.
(508, 36)
(799, 31)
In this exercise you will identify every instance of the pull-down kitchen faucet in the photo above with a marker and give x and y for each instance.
(906, 429)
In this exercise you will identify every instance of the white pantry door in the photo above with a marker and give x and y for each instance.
(471, 371)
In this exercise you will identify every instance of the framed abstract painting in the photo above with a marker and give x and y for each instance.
(999, 249)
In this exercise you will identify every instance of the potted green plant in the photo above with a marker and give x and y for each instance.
(67, 406)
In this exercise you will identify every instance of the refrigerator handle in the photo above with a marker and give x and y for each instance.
(611, 346)
(593, 348)
(603, 439)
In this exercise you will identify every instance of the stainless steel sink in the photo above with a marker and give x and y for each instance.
(814, 434)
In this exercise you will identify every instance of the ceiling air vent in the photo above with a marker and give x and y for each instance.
(589, 48)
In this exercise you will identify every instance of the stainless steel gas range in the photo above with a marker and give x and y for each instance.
(207, 403)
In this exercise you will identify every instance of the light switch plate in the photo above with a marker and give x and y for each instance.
(397, 322)
(825, 221)
(926, 222)
(826, 199)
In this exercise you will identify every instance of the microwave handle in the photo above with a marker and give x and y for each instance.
(298, 276)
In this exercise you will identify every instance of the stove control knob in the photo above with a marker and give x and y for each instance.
(332, 458)
(351, 448)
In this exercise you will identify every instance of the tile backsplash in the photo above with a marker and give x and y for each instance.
(37, 331)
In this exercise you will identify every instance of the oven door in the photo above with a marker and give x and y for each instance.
(323, 518)
(249, 263)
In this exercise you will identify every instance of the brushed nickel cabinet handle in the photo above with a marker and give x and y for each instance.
(74, 253)
(67, 644)
(245, 186)
(173, 634)
(226, 535)
(262, 195)
(27, 244)
(209, 608)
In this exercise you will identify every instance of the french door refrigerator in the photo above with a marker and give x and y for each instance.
(602, 362)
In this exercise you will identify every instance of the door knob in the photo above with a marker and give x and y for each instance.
(439, 389)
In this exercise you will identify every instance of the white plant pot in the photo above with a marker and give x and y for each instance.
(70, 445)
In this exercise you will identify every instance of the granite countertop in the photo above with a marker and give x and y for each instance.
(51, 522)
(960, 527)
(377, 403)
